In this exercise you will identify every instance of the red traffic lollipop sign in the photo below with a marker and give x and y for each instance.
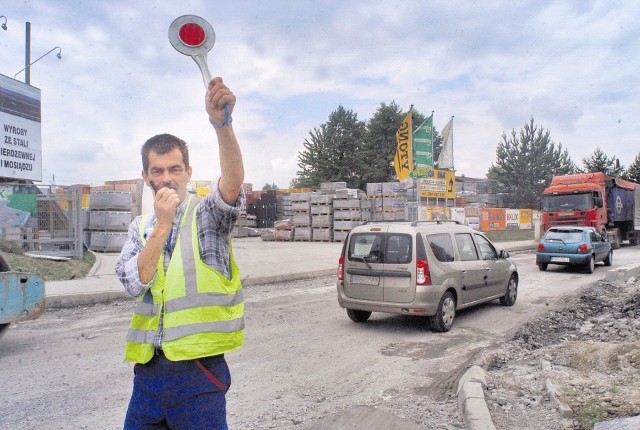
(193, 36)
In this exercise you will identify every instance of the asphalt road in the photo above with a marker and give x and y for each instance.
(304, 362)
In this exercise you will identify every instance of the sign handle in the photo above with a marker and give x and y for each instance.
(201, 61)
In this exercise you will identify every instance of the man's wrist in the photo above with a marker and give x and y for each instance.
(228, 119)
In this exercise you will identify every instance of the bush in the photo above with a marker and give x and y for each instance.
(11, 246)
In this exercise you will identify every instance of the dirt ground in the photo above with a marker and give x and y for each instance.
(588, 348)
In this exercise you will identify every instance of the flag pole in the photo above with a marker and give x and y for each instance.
(415, 181)
(412, 148)
(452, 162)
(433, 162)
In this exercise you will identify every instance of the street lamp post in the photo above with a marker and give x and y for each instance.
(27, 56)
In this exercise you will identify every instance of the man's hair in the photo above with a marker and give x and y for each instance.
(163, 144)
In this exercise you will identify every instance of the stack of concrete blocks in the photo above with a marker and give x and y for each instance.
(301, 209)
(412, 206)
(109, 219)
(351, 208)
(322, 217)
(283, 208)
(245, 226)
(332, 187)
(388, 201)
(283, 230)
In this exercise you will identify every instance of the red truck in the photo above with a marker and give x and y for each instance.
(611, 205)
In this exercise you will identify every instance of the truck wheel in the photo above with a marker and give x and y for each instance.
(445, 314)
(609, 260)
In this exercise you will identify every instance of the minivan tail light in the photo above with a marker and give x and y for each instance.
(583, 248)
(341, 269)
(423, 277)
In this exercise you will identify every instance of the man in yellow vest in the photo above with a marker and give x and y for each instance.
(179, 262)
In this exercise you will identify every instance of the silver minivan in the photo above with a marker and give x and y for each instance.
(427, 268)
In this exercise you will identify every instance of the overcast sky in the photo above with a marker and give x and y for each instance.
(573, 66)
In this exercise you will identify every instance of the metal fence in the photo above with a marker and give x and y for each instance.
(49, 221)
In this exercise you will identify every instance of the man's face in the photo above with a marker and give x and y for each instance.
(168, 170)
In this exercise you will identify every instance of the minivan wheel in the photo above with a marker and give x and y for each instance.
(358, 316)
(442, 320)
(509, 299)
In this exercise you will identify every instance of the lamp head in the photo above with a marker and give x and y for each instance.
(59, 55)
(4, 26)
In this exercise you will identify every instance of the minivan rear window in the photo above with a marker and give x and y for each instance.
(381, 248)
(367, 246)
(441, 246)
(398, 249)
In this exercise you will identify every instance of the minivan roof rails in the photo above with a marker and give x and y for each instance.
(436, 221)
(384, 220)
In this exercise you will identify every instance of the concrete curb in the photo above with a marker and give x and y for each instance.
(471, 402)
(563, 408)
(96, 265)
(92, 298)
(83, 299)
(623, 273)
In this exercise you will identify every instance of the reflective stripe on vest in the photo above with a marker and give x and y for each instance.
(203, 310)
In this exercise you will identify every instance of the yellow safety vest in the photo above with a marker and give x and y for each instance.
(203, 311)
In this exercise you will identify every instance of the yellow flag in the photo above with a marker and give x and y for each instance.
(403, 161)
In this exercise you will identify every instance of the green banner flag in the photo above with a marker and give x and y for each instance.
(423, 148)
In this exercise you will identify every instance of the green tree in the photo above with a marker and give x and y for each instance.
(268, 187)
(599, 162)
(633, 171)
(333, 152)
(380, 146)
(525, 164)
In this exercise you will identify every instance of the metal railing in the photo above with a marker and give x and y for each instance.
(43, 221)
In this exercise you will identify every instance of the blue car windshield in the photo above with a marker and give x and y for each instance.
(566, 236)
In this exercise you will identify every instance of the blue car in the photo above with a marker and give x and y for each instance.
(573, 246)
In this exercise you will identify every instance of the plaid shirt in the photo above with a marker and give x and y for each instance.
(215, 220)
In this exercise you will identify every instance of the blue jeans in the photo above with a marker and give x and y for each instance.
(179, 394)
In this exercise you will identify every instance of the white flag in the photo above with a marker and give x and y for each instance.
(445, 159)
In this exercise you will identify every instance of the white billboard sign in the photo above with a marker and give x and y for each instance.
(513, 218)
(20, 144)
